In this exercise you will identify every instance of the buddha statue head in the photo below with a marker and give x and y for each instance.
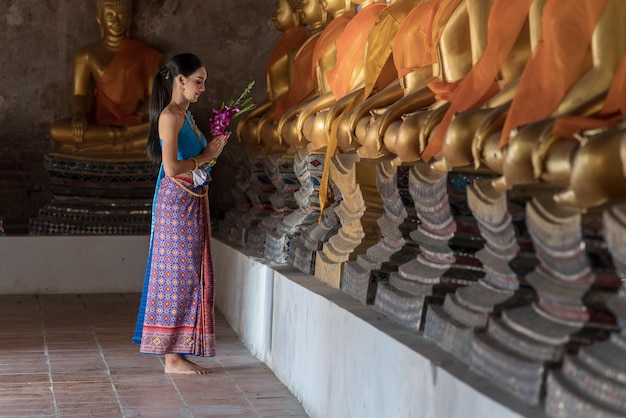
(286, 14)
(337, 7)
(114, 17)
(313, 14)
(297, 6)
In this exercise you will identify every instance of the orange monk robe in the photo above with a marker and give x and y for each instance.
(558, 61)
(415, 44)
(613, 110)
(292, 39)
(123, 88)
(328, 37)
(506, 20)
(303, 84)
(412, 47)
(351, 46)
(379, 69)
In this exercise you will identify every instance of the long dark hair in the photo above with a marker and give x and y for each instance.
(185, 64)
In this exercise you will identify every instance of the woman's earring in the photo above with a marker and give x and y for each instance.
(182, 88)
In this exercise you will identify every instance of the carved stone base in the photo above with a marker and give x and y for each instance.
(518, 374)
(304, 259)
(257, 237)
(517, 348)
(97, 197)
(304, 253)
(466, 309)
(405, 308)
(592, 383)
(328, 271)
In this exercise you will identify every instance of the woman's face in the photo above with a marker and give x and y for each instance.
(194, 84)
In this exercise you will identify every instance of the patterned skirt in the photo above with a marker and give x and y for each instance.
(179, 300)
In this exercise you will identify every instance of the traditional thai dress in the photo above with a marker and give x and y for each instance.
(176, 314)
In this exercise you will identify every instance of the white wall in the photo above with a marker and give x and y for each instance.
(72, 264)
(343, 359)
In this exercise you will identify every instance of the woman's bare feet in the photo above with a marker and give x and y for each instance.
(177, 363)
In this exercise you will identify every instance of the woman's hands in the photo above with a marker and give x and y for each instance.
(214, 148)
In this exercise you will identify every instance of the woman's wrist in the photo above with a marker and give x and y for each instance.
(195, 162)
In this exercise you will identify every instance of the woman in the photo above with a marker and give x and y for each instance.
(176, 311)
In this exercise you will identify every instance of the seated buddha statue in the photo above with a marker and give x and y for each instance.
(488, 84)
(597, 166)
(378, 84)
(122, 70)
(415, 57)
(564, 77)
(277, 71)
(340, 13)
(448, 44)
(347, 72)
(303, 84)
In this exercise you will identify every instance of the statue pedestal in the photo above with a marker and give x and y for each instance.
(360, 206)
(303, 255)
(279, 170)
(517, 348)
(360, 278)
(97, 196)
(227, 227)
(307, 168)
(452, 324)
(447, 242)
(593, 382)
(259, 190)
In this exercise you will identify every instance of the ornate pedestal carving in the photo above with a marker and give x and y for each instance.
(593, 382)
(308, 170)
(279, 169)
(438, 268)
(360, 277)
(97, 197)
(452, 324)
(360, 206)
(259, 192)
(227, 226)
(516, 348)
(311, 240)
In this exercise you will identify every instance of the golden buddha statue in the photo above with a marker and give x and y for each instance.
(348, 53)
(565, 77)
(488, 84)
(378, 77)
(338, 13)
(278, 72)
(454, 40)
(415, 58)
(122, 70)
(303, 84)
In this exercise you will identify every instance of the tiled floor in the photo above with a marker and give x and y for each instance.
(71, 355)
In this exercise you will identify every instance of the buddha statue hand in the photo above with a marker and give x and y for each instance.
(367, 135)
(79, 126)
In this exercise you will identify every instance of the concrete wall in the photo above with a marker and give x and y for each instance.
(38, 39)
(344, 359)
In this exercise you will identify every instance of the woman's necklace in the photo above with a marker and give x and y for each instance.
(190, 121)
